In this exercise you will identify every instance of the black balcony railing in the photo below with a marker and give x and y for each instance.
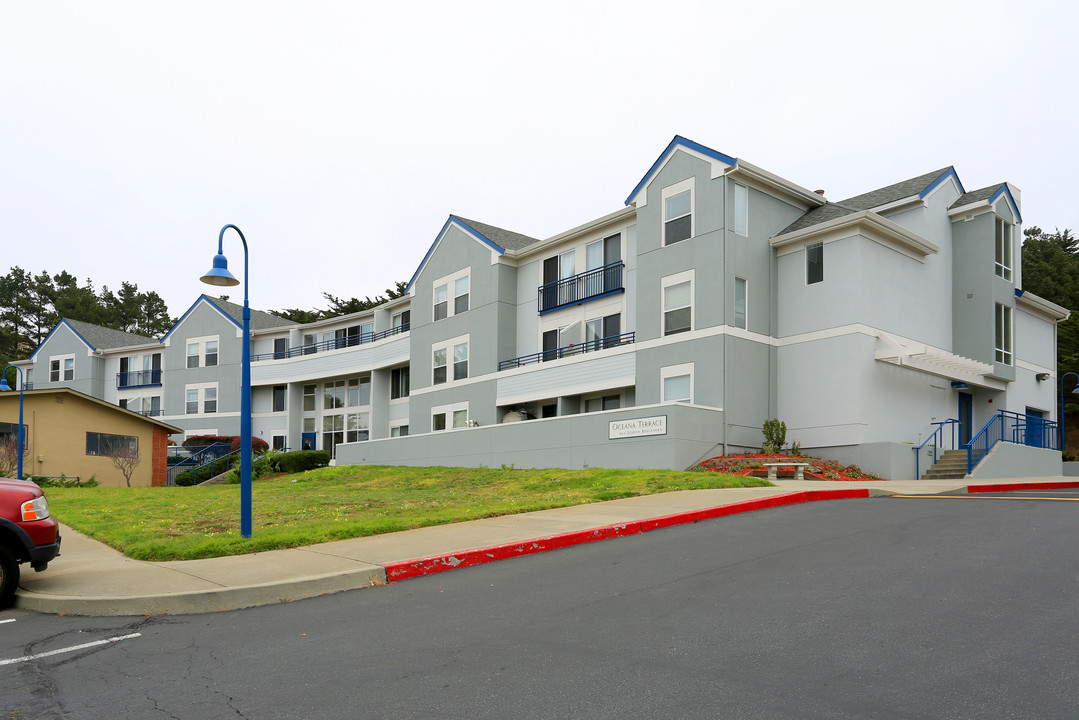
(150, 413)
(581, 287)
(568, 351)
(138, 378)
(332, 344)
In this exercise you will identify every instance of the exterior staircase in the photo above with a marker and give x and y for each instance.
(952, 465)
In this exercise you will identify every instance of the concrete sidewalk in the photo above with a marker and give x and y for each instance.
(90, 578)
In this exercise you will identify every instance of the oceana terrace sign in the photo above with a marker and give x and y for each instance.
(637, 427)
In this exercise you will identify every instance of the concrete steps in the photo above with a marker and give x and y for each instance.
(952, 465)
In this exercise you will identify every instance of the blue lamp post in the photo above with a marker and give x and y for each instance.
(220, 276)
(1062, 379)
(4, 386)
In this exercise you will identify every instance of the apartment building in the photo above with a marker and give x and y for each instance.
(720, 295)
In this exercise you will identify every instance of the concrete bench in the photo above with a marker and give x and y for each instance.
(799, 469)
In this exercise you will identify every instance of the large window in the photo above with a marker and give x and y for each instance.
(200, 398)
(602, 332)
(740, 303)
(1004, 334)
(678, 217)
(202, 352)
(741, 209)
(677, 383)
(1004, 249)
(279, 398)
(458, 284)
(309, 392)
(677, 307)
(112, 445)
(607, 402)
(449, 416)
(814, 263)
(62, 368)
(453, 351)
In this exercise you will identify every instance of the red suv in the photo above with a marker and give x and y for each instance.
(27, 533)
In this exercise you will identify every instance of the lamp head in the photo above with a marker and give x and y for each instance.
(3, 384)
(219, 274)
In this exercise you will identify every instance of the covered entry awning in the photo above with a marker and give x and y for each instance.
(935, 361)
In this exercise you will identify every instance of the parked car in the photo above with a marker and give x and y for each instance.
(28, 534)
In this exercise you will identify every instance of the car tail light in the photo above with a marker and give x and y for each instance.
(36, 509)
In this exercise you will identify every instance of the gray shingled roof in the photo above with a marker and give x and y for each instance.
(977, 195)
(865, 201)
(103, 338)
(259, 320)
(505, 239)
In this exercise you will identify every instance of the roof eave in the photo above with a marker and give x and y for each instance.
(868, 220)
(774, 182)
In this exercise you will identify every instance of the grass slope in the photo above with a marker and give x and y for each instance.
(343, 502)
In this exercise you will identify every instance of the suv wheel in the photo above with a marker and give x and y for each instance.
(9, 577)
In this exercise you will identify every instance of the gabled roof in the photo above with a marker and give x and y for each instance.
(496, 238)
(675, 144)
(96, 337)
(916, 187)
(259, 320)
(171, 429)
(988, 196)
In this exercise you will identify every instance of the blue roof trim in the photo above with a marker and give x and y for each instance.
(195, 304)
(464, 226)
(949, 173)
(63, 321)
(674, 144)
(1011, 200)
(1019, 293)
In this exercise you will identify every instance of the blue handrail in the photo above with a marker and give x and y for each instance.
(938, 437)
(1013, 427)
(580, 287)
(568, 350)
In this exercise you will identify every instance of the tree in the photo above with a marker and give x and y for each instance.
(341, 306)
(9, 455)
(124, 453)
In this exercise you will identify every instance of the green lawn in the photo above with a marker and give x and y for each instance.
(178, 523)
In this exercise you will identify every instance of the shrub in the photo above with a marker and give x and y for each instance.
(301, 460)
(204, 440)
(258, 445)
(775, 436)
(187, 478)
(64, 482)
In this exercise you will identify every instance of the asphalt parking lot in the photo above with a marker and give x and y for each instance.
(1021, 495)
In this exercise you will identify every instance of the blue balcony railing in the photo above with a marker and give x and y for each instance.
(138, 378)
(568, 351)
(582, 287)
(332, 344)
(1013, 427)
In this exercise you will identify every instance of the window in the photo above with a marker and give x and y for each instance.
(279, 442)
(202, 351)
(280, 348)
(1004, 249)
(677, 383)
(399, 431)
(741, 210)
(677, 308)
(449, 416)
(192, 402)
(441, 294)
(359, 391)
(1004, 334)
(209, 400)
(740, 303)
(11, 430)
(402, 319)
(192, 354)
(333, 395)
(814, 263)
(200, 396)
(333, 432)
(607, 402)
(439, 365)
(279, 398)
(357, 427)
(602, 332)
(460, 295)
(460, 361)
(62, 368)
(112, 445)
(678, 212)
(398, 383)
(309, 397)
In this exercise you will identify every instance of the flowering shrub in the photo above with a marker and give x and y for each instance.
(753, 464)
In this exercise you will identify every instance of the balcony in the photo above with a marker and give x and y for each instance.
(582, 287)
(567, 351)
(150, 413)
(138, 378)
(332, 344)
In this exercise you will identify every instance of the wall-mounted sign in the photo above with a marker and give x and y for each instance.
(638, 427)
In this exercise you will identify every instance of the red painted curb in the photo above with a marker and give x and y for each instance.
(1008, 487)
(405, 569)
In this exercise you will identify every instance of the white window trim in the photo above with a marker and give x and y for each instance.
(201, 341)
(448, 411)
(1005, 348)
(677, 279)
(1004, 268)
(805, 277)
(670, 191)
(61, 359)
(448, 345)
(201, 389)
(743, 231)
(676, 371)
(448, 281)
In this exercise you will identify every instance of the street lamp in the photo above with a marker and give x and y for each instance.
(220, 276)
(1062, 379)
(4, 386)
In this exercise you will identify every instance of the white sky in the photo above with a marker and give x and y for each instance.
(339, 135)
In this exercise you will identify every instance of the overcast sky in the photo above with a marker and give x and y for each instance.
(340, 135)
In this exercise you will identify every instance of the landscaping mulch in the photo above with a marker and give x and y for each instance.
(752, 465)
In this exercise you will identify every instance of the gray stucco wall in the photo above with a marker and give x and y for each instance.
(575, 441)
(1008, 460)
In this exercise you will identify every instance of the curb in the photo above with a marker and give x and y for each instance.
(1009, 487)
(406, 569)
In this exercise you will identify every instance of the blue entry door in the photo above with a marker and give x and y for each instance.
(1035, 431)
(966, 417)
(308, 441)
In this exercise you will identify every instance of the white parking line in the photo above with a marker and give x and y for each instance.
(27, 658)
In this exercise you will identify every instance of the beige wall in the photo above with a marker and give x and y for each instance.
(57, 424)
